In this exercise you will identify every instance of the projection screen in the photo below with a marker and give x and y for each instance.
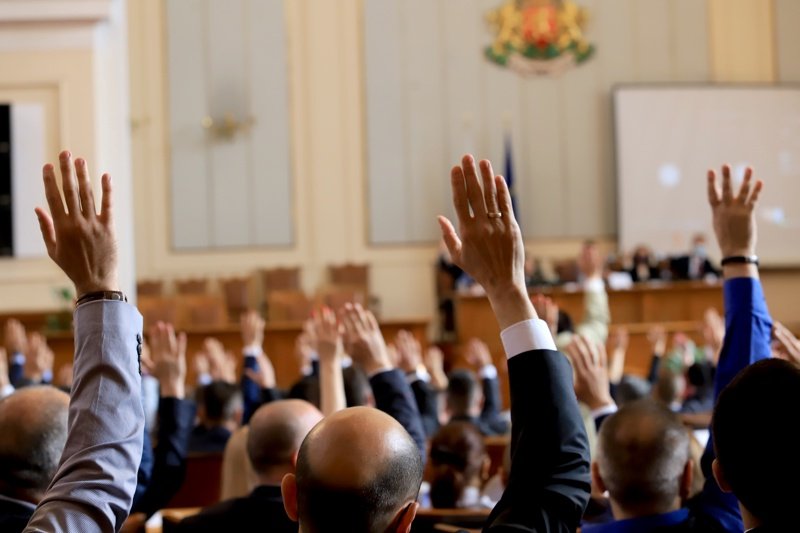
(668, 136)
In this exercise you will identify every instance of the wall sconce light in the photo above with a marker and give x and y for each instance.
(227, 128)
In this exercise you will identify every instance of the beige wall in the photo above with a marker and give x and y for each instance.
(328, 144)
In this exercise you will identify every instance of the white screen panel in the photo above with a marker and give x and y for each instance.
(667, 139)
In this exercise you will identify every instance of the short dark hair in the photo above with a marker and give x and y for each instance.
(631, 389)
(364, 509)
(456, 457)
(220, 400)
(756, 436)
(667, 388)
(462, 390)
(643, 450)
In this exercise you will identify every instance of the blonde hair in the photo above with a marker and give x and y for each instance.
(238, 477)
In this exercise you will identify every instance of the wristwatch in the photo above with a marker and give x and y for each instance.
(114, 296)
(740, 260)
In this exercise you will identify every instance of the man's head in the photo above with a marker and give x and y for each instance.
(669, 387)
(219, 403)
(643, 460)
(277, 430)
(34, 431)
(358, 470)
(464, 397)
(755, 437)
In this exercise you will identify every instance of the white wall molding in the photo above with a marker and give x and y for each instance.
(59, 11)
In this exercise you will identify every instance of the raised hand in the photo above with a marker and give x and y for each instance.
(657, 337)
(788, 345)
(477, 353)
(364, 339)
(734, 214)
(39, 360)
(591, 372)
(265, 374)
(4, 380)
(409, 352)
(547, 310)
(327, 331)
(619, 350)
(222, 364)
(488, 244)
(328, 334)
(80, 241)
(434, 362)
(15, 337)
(168, 356)
(252, 326)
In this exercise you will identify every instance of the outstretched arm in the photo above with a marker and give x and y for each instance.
(549, 482)
(94, 485)
(748, 324)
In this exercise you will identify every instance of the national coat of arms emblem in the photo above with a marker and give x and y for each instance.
(539, 37)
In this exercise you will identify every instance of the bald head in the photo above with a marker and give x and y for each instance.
(34, 422)
(277, 430)
(642, 454)
(360, 466)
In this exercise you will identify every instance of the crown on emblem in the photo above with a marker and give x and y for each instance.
(539, 37)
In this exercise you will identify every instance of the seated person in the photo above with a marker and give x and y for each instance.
(642, 267)
(465, 402)
(460, 464)
(34, 422)
(276, 432)
(695, 265)
(669, 389)
(219, 411)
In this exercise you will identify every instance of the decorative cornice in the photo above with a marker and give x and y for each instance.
(55, 11)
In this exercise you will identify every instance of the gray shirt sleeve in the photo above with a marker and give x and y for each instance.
(94, 485)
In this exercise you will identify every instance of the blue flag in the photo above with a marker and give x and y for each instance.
(509, 174)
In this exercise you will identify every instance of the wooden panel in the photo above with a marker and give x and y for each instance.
(689, 40)
(787, 38)
(742, 40)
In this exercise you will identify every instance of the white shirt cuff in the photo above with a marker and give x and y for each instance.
(606, 410)
(594, 285)
(18, 358)
(7, 390)
(488, 372)
(254, 350)
(204, 379)
(527, 335)
(419, 375)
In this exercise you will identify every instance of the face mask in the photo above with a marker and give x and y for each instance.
(699, 250)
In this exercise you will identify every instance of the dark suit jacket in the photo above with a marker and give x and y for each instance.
(175, 419)
(427, 399)
(680, 268)
(14, 515)
(206, 440)
(549, 483)
(261, 510)
(394, 397)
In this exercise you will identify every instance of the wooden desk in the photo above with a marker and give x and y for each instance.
(279, 340)
(679, 307)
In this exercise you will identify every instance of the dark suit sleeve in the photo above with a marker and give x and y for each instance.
(549, 483)
(490, 415)
(428, 405)
(175, 420)
(393, 396)
(655, 366)
(251, 392)
(16, 370)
